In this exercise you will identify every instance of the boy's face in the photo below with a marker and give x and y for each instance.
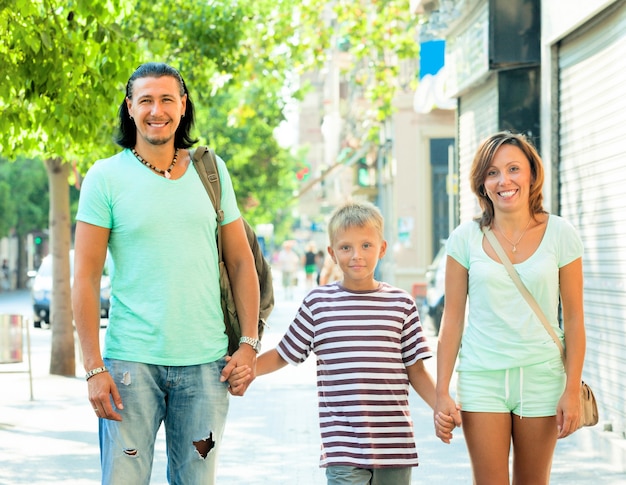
(357, 250)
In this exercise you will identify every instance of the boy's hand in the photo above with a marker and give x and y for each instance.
(238, 379)
(446, 419)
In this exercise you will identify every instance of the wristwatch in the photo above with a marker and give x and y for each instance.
(255, 343)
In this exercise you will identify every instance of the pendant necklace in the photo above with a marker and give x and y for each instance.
(166, 173)
(514, 244)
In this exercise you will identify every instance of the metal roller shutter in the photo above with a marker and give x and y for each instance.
(592, 177)
(478, 118)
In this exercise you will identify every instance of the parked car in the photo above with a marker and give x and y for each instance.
(41, 290)
(435, 287)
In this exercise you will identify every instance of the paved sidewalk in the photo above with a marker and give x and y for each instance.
(271, 435)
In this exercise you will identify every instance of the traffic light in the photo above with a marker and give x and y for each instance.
(362, 173)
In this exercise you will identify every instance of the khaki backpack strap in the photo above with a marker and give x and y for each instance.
(206, 165)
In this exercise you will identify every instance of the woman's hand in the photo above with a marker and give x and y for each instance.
(447, 417)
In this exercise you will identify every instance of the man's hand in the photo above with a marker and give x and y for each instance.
(101, 390)
(240, 370)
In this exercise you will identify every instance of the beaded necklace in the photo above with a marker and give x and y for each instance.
(166, 173)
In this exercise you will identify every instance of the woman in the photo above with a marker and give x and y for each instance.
(512, 386)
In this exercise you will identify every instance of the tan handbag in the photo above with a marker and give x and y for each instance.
(588, 407)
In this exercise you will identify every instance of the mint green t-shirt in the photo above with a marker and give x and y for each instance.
(501, 330)
(165, 299)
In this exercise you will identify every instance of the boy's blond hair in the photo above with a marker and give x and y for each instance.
(355, 214)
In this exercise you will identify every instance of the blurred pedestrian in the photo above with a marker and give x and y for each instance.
(5, 276)
(319, 264)
(330, 271)
(512, 386)
(289, 263)
(369, 347)
(165, 345)
(310, 268)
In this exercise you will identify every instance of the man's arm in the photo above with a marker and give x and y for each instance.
(244, 281)
(90, 249)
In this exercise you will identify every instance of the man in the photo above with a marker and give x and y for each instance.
(165, 347)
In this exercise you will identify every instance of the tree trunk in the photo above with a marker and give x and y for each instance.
(21, 262)
(62, 358)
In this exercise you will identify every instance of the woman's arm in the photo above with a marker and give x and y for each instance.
(449, 341)
(571, 284)
(452, 323)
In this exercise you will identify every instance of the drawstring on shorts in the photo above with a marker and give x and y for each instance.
(521, 392)
(521, 389)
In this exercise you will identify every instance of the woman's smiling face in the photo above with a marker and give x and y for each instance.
(508, 179)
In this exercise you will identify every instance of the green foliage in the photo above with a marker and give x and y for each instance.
(63, 63)
(258, 166)
(23, 196)
(376, 34)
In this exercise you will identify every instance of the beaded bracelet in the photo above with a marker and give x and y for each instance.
(93, 372)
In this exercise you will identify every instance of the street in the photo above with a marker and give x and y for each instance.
(271, 436)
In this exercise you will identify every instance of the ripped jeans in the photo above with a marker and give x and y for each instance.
(189, 400)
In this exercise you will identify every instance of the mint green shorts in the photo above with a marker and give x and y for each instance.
(530, 391)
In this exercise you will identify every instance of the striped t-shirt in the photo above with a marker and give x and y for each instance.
(363, 341)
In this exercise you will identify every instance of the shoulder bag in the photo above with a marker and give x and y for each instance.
(588, 407)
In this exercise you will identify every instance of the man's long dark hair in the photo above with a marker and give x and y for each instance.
(127, 136)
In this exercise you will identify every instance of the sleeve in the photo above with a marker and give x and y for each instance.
(457, 244)
(229, 200)
(414, 342)
(297, 343)
(94, 204)
(570, 243)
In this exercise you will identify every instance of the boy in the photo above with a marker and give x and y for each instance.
(369, 345)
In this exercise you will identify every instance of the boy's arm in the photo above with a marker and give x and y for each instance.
(269, 361)
(422, 382)
(424, 385)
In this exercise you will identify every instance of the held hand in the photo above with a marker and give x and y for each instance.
(101, 390)
(447, 416)
(244, 357)
(238, 379)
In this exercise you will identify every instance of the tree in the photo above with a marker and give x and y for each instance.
(375, 35)
(63, 63)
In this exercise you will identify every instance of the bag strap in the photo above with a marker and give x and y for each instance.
(497, 247)
(206, 166)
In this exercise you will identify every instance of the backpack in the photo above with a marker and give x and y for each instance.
(206, 166)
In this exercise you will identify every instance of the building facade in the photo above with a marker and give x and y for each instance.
(556, 70)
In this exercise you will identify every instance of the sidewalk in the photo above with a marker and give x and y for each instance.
(271, 436)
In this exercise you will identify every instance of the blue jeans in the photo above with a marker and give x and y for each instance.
(192, 403)
(350, 475)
